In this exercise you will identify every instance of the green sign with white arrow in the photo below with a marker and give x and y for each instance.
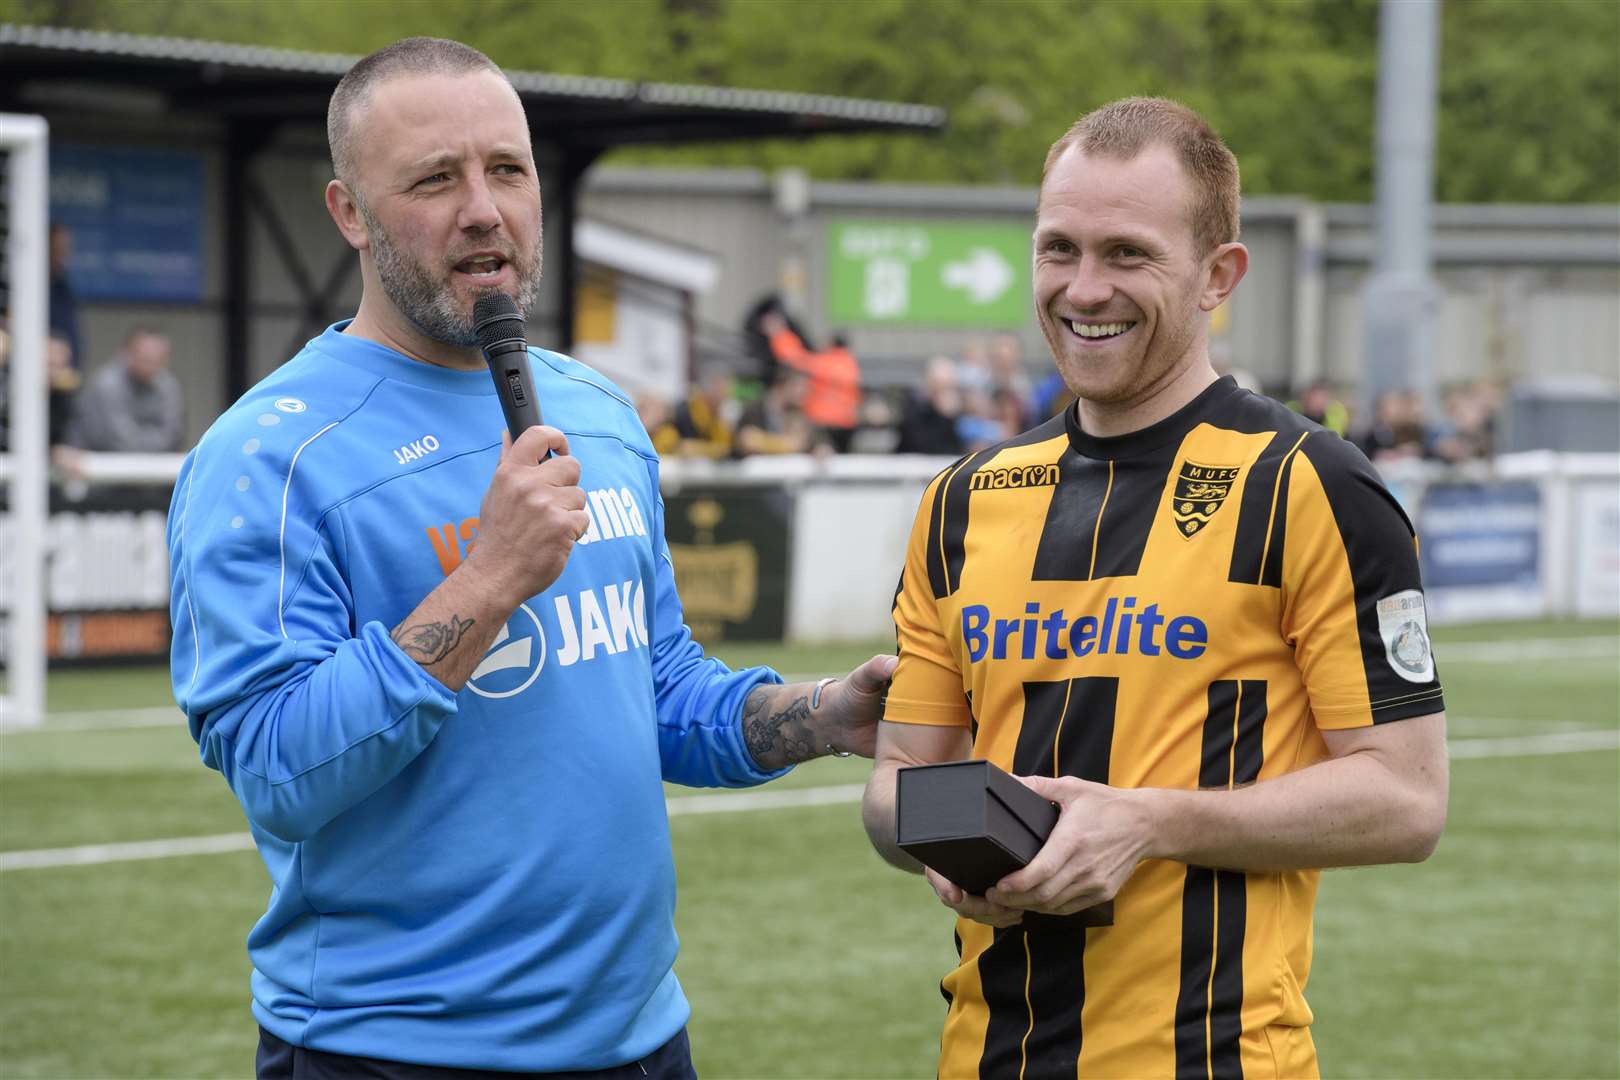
(922, 272)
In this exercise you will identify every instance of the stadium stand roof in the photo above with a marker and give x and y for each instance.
(244, 81)
(249, 95)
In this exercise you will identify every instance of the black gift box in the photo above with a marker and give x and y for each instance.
(974, 824)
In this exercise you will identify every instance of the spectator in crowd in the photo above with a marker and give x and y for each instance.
(1051, 396)
(63, 380)
(973, 369)
(775, 422)
(134, 403)
(704, 420)
(1397, 430)
(656, 417)
(832, 401)
(928, 425)
(977, 426)
(1319, 402)
(1220, 358)
(1465, 432)
(1009, 412)
(758, 325)
(1007, 371)
(63, 302)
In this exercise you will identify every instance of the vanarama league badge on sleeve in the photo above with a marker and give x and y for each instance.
(1404, 626)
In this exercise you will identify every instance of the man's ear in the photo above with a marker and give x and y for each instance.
(1227, 265)
(345, 211)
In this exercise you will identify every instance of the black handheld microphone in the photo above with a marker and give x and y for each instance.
(499, 326)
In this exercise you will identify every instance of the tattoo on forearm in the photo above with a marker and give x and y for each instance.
(777, 735)
(428, 643)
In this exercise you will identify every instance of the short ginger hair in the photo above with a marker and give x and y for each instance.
(1122, 129)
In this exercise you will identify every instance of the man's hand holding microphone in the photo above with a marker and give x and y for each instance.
(532, 514)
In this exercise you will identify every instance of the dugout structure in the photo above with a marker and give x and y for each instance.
(272, 272)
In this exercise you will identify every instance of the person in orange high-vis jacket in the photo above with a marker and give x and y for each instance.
(833, 400)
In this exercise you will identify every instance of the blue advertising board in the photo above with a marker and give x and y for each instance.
(1481, 549)
(137, 221)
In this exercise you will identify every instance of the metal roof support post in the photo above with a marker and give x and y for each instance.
(1401, 300)
(243, 141)
(575, 162)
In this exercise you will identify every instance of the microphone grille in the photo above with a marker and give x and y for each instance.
(496, 318)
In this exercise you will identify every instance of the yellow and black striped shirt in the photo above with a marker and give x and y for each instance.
(1183, 607)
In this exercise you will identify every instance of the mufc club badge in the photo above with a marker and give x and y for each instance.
(1200, 490)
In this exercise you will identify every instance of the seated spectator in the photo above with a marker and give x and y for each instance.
(929, 423)
(1465, 432)
(655, 416)
(63, 381)
(973, 368)
(62, 302)
(1010, 414)
(703, 420)
(133, 404)
(1220, 358)
(832, 400)
(775, 422)
(1319, 402)
(1397, 431)
(1007, 373)
(1051, 396)
(977, 426)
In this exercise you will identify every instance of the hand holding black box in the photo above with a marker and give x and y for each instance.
(974, 824)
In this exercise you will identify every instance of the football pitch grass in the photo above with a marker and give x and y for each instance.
(802, 955)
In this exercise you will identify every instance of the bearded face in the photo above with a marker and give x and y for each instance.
(423, 290)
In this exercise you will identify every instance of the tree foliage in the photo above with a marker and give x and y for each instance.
(1529, 89)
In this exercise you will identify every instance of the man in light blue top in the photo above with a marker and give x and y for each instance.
(442, 672)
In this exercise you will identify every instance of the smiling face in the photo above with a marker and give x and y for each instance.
(444, 205)
(1121, 290)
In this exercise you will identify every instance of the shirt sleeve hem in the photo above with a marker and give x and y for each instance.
(1424, 703)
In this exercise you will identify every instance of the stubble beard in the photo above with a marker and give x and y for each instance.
(1121, 381)
(429, 304)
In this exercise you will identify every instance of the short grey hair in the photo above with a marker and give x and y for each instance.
(412, 56)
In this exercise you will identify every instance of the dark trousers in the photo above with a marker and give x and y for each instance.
(278, 1060)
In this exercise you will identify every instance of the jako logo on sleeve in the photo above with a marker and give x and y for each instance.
(1120, 630)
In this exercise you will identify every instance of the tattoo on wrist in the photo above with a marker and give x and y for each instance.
(777, 735)
(428, 643)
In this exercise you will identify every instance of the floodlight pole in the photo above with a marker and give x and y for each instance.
(27, 246)
(1401, 299)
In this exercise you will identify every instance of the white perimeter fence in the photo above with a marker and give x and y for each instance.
(809, 549)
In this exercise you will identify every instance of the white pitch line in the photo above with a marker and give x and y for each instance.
(95, 854)
(765, 800)
(102, 720)
(1490, 652)
(1560, 742)
(1564, 742)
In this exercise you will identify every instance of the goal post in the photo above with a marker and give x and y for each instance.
(23, 142)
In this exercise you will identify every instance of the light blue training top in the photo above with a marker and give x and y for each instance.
(480, 879)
